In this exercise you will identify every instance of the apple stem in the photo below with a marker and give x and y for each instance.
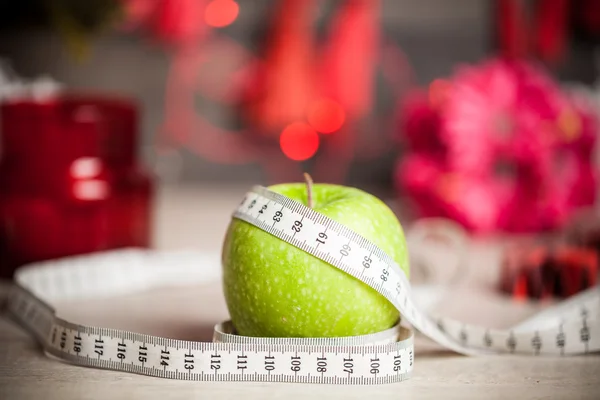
(309, 183)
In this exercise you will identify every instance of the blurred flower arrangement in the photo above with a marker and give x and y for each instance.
(499, 146)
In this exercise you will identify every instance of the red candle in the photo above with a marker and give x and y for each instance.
(70, 182)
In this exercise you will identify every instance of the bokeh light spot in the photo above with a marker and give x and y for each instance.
(326, 116)
(299, 141)
(220, 13)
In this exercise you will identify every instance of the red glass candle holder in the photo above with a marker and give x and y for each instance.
(70, 181)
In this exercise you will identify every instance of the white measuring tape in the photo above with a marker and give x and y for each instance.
(569, 328)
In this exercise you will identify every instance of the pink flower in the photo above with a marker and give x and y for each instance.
(499, 109)
(499, 147)
(420, 124)
(577, 126)
(436, 192)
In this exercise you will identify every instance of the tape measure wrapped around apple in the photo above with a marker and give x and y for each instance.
(275, 289)
(315, 278)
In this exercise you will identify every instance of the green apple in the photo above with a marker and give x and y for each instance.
(274, 289)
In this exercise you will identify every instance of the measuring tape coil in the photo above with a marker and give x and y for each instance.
(384, 357)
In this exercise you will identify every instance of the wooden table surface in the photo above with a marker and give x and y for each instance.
(190, 313)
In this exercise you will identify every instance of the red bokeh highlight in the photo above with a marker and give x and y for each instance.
(299, 141)
(326, 115)
(220, 13)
